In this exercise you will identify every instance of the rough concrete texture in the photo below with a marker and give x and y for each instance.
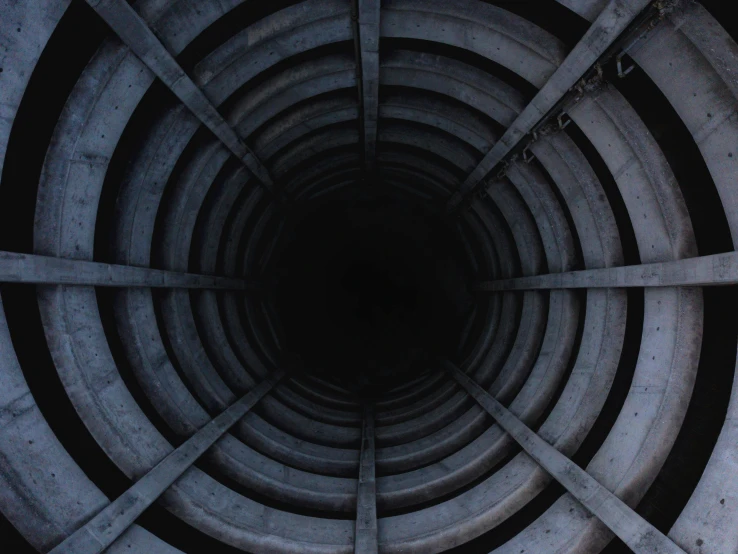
(153, 173)
(719, 269)
(112, 522)
(45, 270)
(623, 521)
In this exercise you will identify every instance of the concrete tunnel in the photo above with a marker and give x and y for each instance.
(397, 276)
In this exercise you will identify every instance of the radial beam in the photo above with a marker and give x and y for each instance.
(135, 33)
(368, 13)
(705, 271)
(46, 270)
(102, 530)
(602, 34)
(633, 530)
(366, 499)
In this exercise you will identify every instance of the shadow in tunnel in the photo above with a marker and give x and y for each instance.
(370, 288)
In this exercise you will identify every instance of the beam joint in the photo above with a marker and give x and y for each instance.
(133, 31)
(103, 530)
(617, 23)
(621, 519)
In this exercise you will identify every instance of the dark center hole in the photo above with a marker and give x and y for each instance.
(373, 288)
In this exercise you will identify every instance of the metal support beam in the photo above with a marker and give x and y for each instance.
(368, 13)
(633, 530)
(102, 530)
(46, 270)
(135, 33)
(366, 499)
(612, 22)
(705, 271)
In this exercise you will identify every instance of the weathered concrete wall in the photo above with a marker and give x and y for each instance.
(197, 138)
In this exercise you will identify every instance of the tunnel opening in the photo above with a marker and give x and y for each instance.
(371, 289)
(360, 284)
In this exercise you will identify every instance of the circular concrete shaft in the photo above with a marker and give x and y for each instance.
(337, 161)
